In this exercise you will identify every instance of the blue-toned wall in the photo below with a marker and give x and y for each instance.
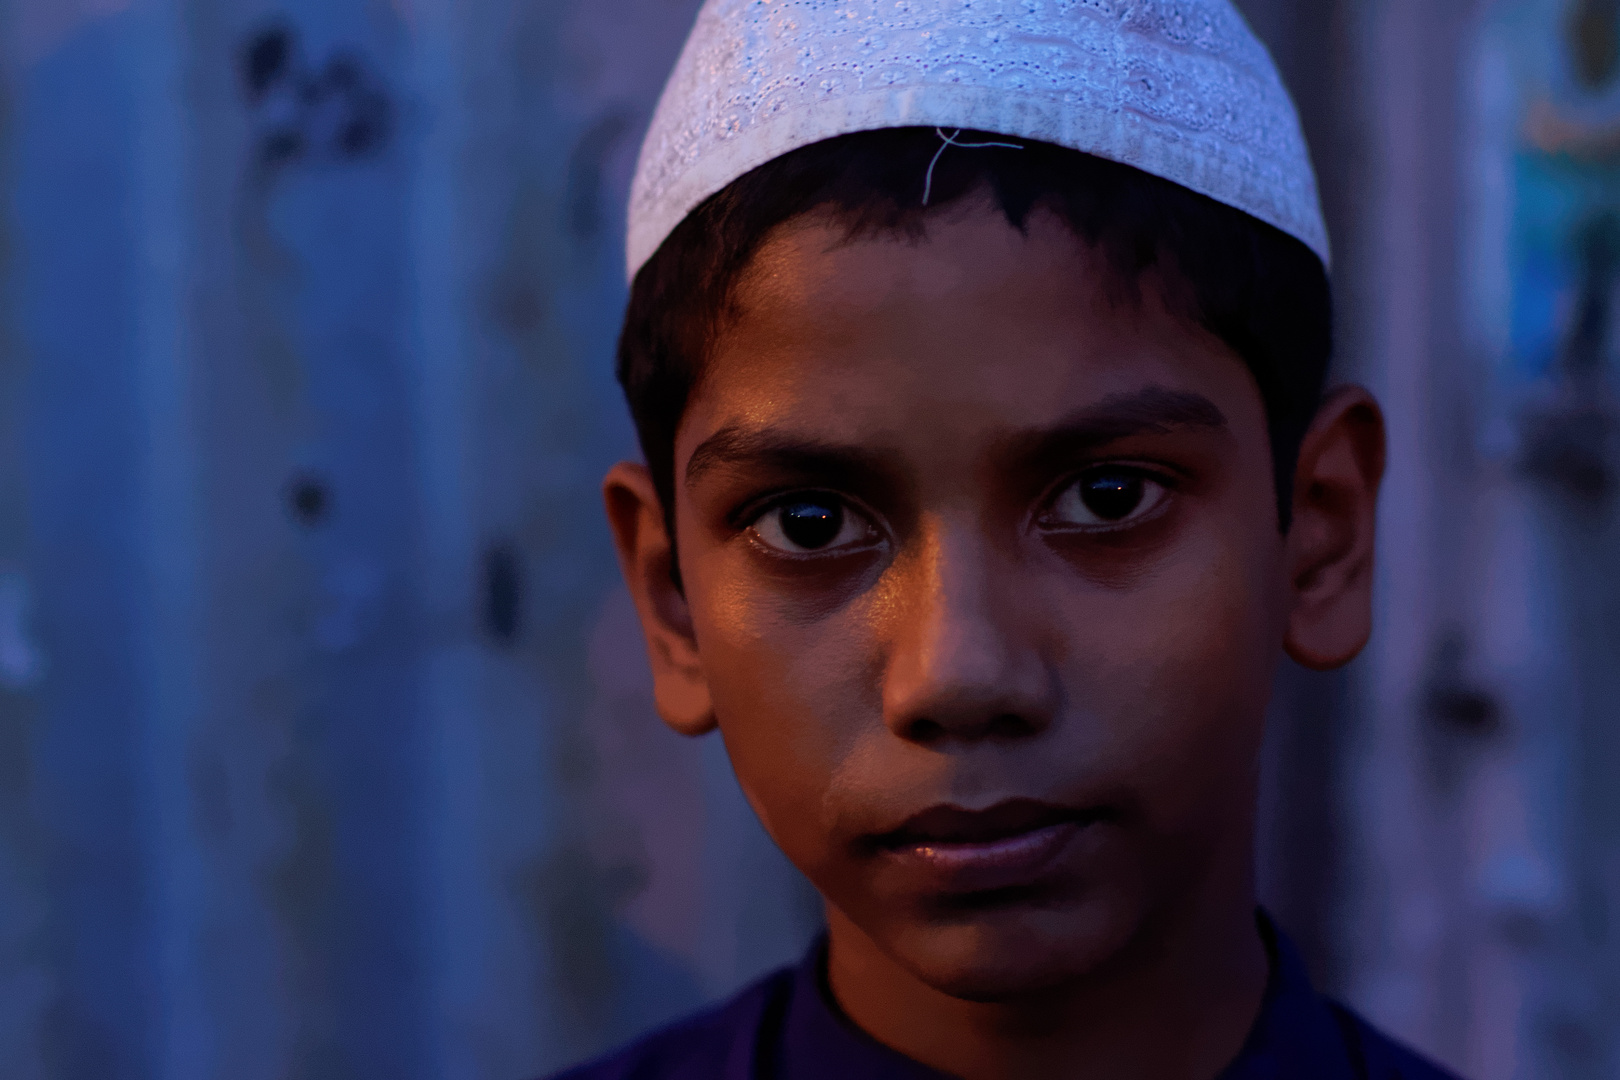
(325, 741)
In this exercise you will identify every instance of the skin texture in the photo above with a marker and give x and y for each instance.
(971, 638)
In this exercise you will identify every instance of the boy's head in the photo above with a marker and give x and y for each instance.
(978, 528)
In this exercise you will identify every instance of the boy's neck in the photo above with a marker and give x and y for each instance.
(1176, 1004)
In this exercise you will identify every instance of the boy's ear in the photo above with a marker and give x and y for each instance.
(1330, 543)
(646, 558)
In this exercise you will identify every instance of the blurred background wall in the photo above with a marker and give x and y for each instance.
(326, 745)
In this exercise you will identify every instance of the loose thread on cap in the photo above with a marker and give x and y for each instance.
(950, 140)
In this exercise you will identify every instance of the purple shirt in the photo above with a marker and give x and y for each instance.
(786, 1027)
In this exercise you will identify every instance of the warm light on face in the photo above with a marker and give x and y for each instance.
(959, 534)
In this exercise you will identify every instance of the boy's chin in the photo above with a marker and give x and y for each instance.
(1002, 955)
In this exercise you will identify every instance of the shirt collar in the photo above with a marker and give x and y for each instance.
(1296, 1033)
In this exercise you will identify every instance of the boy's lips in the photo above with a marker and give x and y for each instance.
(1005, 846)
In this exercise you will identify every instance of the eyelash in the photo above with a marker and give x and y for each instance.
(1159, 477)
(750, 517)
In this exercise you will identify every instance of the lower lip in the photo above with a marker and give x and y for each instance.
(999, 864)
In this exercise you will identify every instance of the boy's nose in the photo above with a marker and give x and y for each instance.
(965, 658)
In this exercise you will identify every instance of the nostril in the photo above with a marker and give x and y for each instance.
(924, 730)
(1007, 725)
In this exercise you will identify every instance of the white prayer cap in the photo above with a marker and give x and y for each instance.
(1178, 88)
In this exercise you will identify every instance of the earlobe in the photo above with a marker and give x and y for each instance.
(1330, 545)
(646, 558)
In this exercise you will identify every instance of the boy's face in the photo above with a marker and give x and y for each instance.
(984, 587)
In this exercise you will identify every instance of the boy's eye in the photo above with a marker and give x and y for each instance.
(810, 523)
(1105, 498)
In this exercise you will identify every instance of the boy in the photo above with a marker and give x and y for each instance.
(976, 350)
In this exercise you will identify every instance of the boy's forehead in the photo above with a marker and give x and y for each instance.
(813, 263)
(971, 281)
(1181, 89)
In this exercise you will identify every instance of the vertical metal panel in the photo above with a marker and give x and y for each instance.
(167, 543)
(1483, 783)
(79, 233)
(341, 760)
(26, 976)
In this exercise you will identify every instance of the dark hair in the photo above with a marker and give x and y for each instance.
(1261, 291)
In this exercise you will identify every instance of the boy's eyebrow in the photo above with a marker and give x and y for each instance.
(735, 444)
(1152, 410)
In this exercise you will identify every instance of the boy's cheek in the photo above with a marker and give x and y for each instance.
(792, 706)
(1197, 648)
